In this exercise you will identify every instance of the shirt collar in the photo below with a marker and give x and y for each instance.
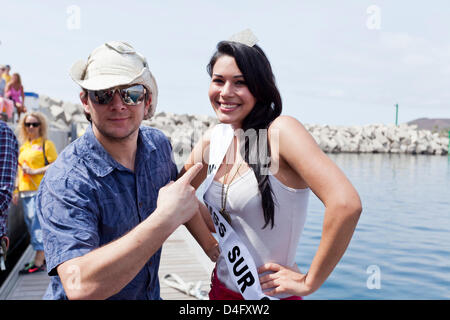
(102, 163)
(38, 140)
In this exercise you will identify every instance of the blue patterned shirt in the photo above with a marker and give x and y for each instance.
(8, 169)
(87, 199)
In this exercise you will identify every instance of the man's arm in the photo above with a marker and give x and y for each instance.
(105, 271)
(8, 170)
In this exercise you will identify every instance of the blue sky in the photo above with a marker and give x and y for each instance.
(339, 63)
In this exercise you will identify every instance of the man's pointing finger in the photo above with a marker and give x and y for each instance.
(191, 173)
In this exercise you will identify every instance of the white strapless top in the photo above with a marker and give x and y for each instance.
(244, 205)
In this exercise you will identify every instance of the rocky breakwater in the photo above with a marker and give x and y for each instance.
(63, 115)
(379, 138)
(185, 130)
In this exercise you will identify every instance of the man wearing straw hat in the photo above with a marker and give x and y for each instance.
(108, 202)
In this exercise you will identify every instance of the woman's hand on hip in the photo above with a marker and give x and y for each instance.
(283, 280)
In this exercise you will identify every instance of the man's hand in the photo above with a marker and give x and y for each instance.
(177, 200)
(15, 198)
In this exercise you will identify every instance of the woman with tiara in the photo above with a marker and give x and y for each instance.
(259, 169)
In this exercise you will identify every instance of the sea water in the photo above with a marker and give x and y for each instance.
(401, 246)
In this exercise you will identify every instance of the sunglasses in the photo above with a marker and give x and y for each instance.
(32, 124)
(131, 96)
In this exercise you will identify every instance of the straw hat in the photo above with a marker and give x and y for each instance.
(113, 64)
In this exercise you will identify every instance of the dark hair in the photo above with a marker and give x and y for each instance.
(85, 96)
(258, 75)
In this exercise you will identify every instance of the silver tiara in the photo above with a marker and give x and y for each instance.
(245, 37)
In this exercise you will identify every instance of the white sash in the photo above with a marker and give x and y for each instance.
(239, 261)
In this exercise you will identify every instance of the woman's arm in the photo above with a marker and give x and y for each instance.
(8, 84)
(32, 172)
(42, 170)
(201, 225)
(51, 154)
(342, 208)
(23, 96)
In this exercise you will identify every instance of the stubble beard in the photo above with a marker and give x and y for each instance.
(115, 138)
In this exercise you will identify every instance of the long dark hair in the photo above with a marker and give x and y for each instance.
(258, 75)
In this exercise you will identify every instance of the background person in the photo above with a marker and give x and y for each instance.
(2, 81)
(268, 210)
(8, 170)
(35, 156)
(6, 74)
(3, 107)
(14, 91)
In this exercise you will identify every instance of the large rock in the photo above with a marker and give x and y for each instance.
(57, 112)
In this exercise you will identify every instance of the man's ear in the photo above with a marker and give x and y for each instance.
(84, 101)
(83, 97)
(147, 105)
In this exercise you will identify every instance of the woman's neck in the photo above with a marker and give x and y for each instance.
(236, 126)
(233, 154)
(31, 138)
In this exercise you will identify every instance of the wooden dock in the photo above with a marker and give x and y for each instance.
(181, 255)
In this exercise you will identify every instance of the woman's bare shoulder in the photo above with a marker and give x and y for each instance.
(287, 125)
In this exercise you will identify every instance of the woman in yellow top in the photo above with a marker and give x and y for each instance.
(33, 162)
